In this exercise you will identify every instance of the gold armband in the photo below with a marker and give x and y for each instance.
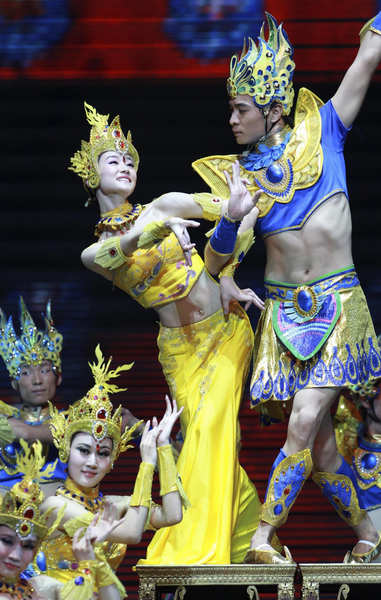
(241, 248)
(105, 576)
(7, 435)
(143, 486)
(82, 586)
(110, 255)
(7, 410)
(170, 480)
(153, 232)
(211, 205)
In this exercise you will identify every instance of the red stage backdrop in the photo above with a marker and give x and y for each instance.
(168, 38)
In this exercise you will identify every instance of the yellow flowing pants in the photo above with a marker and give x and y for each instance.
(206, 365)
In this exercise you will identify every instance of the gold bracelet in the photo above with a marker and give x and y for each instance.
(153, 232)
(143, 485)
(170, 480)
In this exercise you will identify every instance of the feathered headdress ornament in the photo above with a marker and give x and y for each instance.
(93, 413)
(32, 346)
(20, 506)
(264, 72)
(103, 138)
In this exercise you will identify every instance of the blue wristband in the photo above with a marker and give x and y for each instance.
(224, 236)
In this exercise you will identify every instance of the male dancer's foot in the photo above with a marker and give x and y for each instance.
(261, 550)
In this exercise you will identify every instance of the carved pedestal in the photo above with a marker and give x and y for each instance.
(345, 577)
(155, 581)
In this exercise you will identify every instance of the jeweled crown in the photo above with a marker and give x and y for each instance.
(264, 72)
(20, 506)
(103, 138)
(32, 346)
(93, 413)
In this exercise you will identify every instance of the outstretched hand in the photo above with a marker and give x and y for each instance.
(241, 201)
(179, 228)
(230, 293)
(168, 420)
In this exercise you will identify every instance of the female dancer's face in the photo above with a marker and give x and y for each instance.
(117, 174)
(89, 460)
(15, 554)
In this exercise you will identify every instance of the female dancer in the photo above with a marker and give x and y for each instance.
(205, 357)
(89, 438)
(23, 527)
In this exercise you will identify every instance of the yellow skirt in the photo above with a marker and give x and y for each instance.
(206, 365)
(349, 357)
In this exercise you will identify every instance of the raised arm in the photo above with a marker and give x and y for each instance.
(30, 433)
(241, 215)
(351, 92)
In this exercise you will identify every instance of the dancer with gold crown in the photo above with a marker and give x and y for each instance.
(90, 438)
(34, 366)
(146, 251)
(315, 335)
(23, 526)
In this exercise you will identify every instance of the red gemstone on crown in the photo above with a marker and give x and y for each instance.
(216, 200)
(112, 251)
(24, 527)
(99, 429)
(101, 414)
(29, 513)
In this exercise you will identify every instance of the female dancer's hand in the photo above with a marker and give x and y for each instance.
(104, 523)
(167, 422)
(82, 546)
(230, 292)
(179, 228)
(147, 446)
(241, 201)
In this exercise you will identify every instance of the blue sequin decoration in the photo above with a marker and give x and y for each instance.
(275, 173)
(368, 461)
(304, 300)
(41, 561)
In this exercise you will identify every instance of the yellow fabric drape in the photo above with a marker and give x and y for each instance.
(206, 365)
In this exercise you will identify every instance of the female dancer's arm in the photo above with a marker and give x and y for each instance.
(155, 441)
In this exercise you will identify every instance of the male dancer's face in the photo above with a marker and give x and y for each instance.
(37, 383)
(246, 120)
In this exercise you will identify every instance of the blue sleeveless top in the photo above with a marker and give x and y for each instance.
(294, 214)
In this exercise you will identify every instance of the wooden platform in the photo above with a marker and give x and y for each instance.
(286, 582)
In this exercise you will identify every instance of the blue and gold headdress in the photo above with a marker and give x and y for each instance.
(32, 346)
(265, 72)
(103, 138)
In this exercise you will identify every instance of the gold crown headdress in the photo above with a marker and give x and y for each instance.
(20, 506)
(264, 72)
(103, 137)
(33, 346)
(93, 413)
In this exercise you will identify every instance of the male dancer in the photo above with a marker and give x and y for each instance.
(34, 366)
(315, 335)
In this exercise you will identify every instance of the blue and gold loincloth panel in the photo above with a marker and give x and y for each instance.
(345, 354)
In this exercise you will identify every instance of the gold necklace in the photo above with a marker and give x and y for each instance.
(21, 590)
(119, 218)
(92, 499)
